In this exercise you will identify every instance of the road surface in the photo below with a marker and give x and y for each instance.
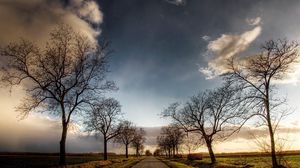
(150, 162)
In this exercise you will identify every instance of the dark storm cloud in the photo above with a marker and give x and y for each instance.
(160, 46)
(158, 49)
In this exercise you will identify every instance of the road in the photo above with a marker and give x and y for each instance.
(150, 162)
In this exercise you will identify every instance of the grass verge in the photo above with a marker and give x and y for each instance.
(174, 164)
(292, 161)
(114, 163)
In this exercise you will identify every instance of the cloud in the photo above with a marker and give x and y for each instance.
(254, 21)
(225, 47)
(230, 45)
(34, 19)
(88, 10)
(206, 38)
(177, 2)
(40, 133)
(292, 77)
(247, 132)
(151, 134)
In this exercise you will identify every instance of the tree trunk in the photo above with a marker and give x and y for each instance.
(105, 148)
(137, 151)
(273, 149)
(173, 150)
(271, 132)
(210, 150)
(62, 144)
(126, 150)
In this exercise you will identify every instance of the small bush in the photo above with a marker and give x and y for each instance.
(195, 156)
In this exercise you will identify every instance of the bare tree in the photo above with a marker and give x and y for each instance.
(257, 76)
(104, 119)
(157, 152)
(282, 145)
(126, 135)
(165, 145)
(191, 142)
(138, 141)
(60, 78)
(215, 115)
(173, 138)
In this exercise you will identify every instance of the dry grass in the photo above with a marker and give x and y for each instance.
(73, 161)
(114, 163)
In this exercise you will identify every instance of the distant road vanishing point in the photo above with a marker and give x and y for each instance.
(150, 162)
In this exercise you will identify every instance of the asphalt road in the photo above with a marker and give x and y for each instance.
(150, 162)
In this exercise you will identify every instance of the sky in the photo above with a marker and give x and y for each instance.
(163, 51)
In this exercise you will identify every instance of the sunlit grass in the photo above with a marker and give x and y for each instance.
(174, 164)
(292, 161)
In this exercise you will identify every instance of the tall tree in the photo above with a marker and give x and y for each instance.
(213, 114)
(60, 78)
(104, 119)
(126, 135)
(258, 74)
(138, 141)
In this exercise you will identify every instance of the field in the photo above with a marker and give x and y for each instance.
(238, 160)
(31, 160)
(233, 160)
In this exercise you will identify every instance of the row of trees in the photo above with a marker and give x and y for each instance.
(247, 91)
(132, 136)
(170, 139)
(67, 77)
(173, 139)
(105, 119)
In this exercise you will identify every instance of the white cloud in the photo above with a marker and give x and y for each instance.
(254, 21)
(177, 2)
(225, 47)
(34, 20)
(230, 45)
(88, 10)
(292, 76)
(205, 38)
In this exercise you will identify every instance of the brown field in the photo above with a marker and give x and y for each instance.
(35, 160)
